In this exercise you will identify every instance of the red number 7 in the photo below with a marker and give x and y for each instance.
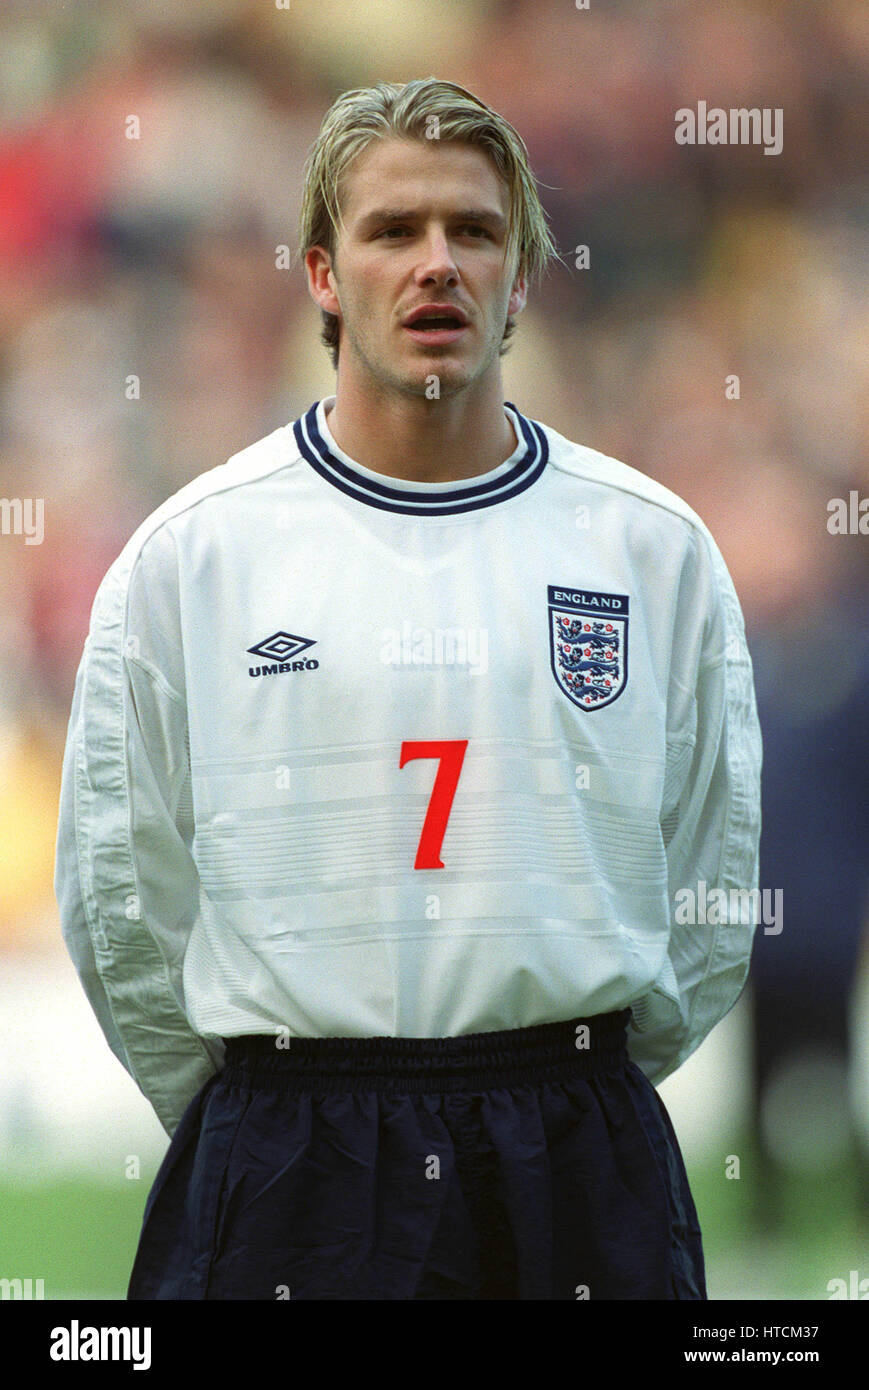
(451, 753)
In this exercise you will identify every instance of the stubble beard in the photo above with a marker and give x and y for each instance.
(450, 382)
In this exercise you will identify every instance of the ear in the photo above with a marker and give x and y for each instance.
(518, 296)
(322, 285)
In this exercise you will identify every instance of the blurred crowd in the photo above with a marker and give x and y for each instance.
(150, 171)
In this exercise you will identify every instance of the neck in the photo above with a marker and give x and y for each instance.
(420, 440)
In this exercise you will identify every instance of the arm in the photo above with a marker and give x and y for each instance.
(710, 823)
(126, 882)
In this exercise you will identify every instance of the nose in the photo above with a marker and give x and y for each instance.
(436, 264)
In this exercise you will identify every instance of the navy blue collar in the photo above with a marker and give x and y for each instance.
(417, 499)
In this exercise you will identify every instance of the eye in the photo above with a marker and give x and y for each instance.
(475, 227)
(387, 232)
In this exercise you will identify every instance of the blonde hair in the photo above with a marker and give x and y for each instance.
(423, 109)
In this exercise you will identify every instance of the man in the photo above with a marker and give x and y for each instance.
(393, 740)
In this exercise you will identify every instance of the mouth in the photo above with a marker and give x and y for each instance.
(436, 329)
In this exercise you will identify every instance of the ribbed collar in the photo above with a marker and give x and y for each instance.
(511, 477)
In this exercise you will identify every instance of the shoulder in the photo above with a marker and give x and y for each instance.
(255, 464)
(651, 522)
(624, 484)
(157, 539)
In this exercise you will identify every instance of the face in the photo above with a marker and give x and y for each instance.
(425, 225)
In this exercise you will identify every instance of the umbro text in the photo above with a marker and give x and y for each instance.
(281, 666)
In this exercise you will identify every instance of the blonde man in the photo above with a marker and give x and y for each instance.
(394, 739)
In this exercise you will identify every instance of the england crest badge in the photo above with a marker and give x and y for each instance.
(588, 641)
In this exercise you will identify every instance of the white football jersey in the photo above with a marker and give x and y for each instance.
(356, 756)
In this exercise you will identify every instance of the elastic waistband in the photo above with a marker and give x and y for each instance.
(473, 1061)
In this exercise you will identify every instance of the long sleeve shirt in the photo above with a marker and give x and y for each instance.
(351, 755)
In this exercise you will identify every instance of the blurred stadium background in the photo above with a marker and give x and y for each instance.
(155, 257)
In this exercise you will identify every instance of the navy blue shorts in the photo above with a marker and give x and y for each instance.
(533, 1163)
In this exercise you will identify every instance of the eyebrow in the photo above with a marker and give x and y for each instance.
(381, 216)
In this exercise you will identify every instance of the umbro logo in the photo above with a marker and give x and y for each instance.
(280, 650)
(281, 646)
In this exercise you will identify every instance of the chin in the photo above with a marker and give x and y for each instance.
(452, 376)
